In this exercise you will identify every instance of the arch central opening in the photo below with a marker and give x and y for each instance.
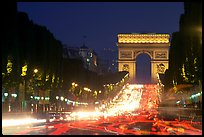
(143, 69)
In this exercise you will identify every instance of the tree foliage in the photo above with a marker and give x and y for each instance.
(185, 57)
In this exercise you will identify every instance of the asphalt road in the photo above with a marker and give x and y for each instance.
(118, 125)
(146, 118)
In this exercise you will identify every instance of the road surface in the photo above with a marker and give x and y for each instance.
(134, 111)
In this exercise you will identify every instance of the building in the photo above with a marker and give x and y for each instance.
(89, 58)
(71, 53)
(87, 55)
(108, 61)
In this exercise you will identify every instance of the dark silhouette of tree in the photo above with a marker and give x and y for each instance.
(185, 57)
(25, 43)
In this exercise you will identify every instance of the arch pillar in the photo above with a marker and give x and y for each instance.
(155, 69)
(131, 69)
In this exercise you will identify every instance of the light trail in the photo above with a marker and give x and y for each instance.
(25, 121)
(132, 112)
(126, 101)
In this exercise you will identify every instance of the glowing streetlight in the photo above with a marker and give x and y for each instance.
(35, 70)
(14, 95)
(5, 94)
(38, 98)
(47, 98)
(57, 97)
(62, 98)
(74, 84)
(85, 88)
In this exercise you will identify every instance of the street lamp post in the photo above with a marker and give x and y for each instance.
(62, 103)
(5, 101)
(25, 94)
(35, 92)
(57, 97)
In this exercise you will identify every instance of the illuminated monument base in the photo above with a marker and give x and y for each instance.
(132, 45)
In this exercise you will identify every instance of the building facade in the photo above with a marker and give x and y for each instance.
(87, 55)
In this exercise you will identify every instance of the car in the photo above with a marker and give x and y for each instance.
(58, 116)
(65, 116)
(53, 116)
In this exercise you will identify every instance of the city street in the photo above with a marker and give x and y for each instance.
(77, 68)
(134, 111)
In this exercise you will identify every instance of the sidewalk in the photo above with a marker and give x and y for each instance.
(20, 115)
(180, 113)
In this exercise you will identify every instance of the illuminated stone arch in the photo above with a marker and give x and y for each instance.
(125, 67)
(143, 52)
(154, 45)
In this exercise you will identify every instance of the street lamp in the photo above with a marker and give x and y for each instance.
(62, 98)
(61, 103)
(14, 95)
(6, 94)
(4, 101)
(35, 70)
(74, 84)
(57, 97)
(36, 92)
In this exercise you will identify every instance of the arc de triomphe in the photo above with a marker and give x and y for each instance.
(134, 44)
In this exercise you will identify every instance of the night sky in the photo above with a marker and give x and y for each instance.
(100, 22)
